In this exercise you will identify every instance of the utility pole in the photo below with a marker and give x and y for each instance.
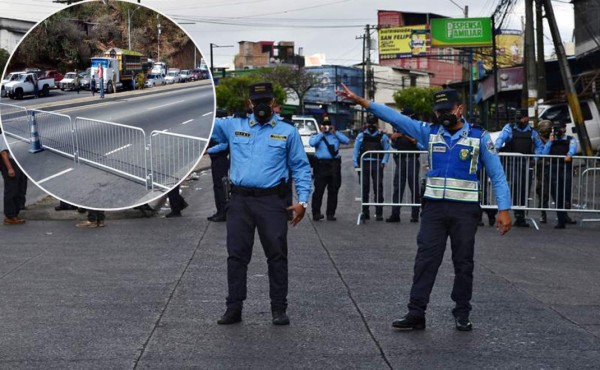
(530, 62)
(495, 73)
(370, 87)
(541, 62)
(565, 71)
(364, 84)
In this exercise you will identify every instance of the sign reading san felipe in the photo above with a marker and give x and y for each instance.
(461, 32)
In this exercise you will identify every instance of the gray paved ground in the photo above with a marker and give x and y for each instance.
(145, 293)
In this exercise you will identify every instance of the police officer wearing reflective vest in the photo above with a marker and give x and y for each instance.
(371, 139)
(457, 151)
(560, 170)
(519, 137)
(328, 169)
(263, 150)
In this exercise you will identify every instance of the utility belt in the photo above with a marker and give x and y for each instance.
(279, 190)
(329, 160)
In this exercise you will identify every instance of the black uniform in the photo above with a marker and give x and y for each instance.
(560, 175)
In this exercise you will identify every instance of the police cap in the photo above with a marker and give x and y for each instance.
(408, 111)
(372, 119)
(261, 90)
(445, 99)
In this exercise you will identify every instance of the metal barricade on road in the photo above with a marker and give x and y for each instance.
(173, 156)
(537, 182)
(15, 121)
(114, 147)
(56, 132)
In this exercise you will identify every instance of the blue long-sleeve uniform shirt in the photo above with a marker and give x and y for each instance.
(506, 135)
(221, 147)
(262, 155)
(385, 142)
(321, 151)
(420, 131)
(572, 145)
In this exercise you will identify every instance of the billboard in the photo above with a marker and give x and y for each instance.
(461, 32)
(403, 42)
(509, 50)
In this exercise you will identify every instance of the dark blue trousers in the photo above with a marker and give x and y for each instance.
(268, 215)
(440, 220)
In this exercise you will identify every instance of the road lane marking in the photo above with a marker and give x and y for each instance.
(206, 114)
(188, 121)
(55, 175)
(164, 105)
(116, 150)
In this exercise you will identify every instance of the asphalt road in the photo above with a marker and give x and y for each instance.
(114, 164)
(146, 294)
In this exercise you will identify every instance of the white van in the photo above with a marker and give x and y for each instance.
(562, 112)
(307, 126)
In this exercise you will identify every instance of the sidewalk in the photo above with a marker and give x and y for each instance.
(146, 294)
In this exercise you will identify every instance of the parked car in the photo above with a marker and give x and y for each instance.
(54, 74)
(85, 79)
(185, 75)
(172, 77)
(562, 112)
(154, 80)
(68, 82)
(9, 78)
(307, 126)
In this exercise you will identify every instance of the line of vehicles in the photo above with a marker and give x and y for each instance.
(119, 68)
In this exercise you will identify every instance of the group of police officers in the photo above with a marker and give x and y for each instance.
(266, 154)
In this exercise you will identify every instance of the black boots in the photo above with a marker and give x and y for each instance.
(231, 316)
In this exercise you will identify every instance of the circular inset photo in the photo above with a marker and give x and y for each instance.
(107, 105)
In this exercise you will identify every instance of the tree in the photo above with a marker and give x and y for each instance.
(420, 99)
(299, 80)
(233, 93)
(3, 59)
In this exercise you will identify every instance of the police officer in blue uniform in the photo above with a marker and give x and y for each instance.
(406, 171)
(328, 169)
(519, 137)
(457, 151)
(263, 150)
(560, 170)
(372, 165)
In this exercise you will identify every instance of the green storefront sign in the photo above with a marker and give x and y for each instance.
(461, 32)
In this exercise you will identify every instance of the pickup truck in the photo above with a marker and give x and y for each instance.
(23, 85)
(562, 112)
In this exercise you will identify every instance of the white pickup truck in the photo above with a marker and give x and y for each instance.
(562, 112)
(23, 85)
(10, 77)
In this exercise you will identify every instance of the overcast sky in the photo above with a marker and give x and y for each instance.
(318, 26)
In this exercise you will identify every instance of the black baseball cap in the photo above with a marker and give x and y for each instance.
(408, 111)
(261, 90)
(445, 99)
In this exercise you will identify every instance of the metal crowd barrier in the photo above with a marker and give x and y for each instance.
(15, 121)
(537, 182)
(112, 146)
(56, 132)
(173, 156)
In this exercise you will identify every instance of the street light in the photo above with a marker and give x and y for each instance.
(212, 69)
(158, 55)
(129, 16)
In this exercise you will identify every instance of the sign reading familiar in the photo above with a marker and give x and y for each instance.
(461, 32)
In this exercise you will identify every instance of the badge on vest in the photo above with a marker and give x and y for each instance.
(439, 149)
(242, 134)
(464, 154)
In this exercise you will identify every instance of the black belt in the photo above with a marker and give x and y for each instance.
(329, 160)
(255, 192)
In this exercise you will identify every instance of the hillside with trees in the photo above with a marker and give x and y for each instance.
(67, 40)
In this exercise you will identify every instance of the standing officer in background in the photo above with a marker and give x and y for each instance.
(406, 170)
(542, 188)
(15, 186)
(561, 169)
(328, 169)
(457, 151)
(372, 164)
(519, 137)
(263, 150)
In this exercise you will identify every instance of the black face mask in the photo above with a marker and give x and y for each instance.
(262, 112)
(447, 119)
